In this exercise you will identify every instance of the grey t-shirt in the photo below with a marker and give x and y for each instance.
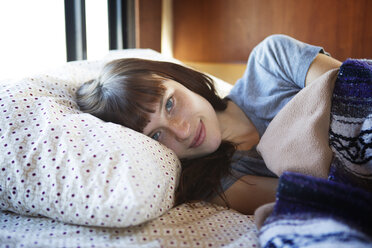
(275, 73)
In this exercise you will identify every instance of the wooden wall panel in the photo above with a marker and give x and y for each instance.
(227, 30)
(148, 24)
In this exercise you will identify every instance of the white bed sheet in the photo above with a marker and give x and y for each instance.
(200, 225)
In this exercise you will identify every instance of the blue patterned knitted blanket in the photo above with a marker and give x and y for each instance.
(350, 134)
(314, 212)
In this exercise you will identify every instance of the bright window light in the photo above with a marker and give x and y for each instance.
(97, 29)
(167, 28)
(32, 36)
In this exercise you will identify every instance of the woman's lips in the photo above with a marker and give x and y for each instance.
(199, 137)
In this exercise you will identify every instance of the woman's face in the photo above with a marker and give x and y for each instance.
(185, 122)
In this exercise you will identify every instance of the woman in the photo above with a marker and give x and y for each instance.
(214, 138)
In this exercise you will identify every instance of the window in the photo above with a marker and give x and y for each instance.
(32, 35)
(97, 29)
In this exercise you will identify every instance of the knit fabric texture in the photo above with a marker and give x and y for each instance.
(316, 212)
(350, 133)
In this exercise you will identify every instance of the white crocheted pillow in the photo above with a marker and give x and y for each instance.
(61, 163)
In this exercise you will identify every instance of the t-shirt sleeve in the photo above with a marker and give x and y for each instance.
(286, 58)
(276, 71)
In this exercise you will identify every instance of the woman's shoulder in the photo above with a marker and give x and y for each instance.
(275, 46)
(275, 40)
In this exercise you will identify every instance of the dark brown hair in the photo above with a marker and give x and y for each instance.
(125, 93)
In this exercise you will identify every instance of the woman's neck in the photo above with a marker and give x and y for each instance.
(236, 127)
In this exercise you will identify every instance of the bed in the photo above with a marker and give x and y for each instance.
(70, 180)
(200, 226)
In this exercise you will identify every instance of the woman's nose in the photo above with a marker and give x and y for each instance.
(181, 128)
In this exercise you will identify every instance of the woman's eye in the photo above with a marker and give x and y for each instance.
(156, 136)
(169, 104)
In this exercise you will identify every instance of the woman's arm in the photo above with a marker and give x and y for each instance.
(321, 64)
(248, 193)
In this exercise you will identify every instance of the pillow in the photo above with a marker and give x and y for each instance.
(61, 163)
(58, 162)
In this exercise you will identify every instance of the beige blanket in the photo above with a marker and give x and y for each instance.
(297, 138)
